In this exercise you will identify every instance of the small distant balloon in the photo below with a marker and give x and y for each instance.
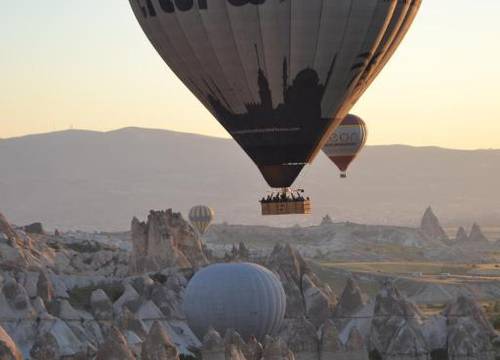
(346, 142)
(201, 217)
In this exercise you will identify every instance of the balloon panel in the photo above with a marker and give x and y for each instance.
(277, 74)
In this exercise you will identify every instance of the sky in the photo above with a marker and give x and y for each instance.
(88, 65)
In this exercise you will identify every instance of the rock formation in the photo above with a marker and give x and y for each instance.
(395, 324)
(327, 220)
(461, 236)
(158, 345)
(45, 347)
(300, 336)
(45, 288)
(470, 334)
(8, 349)
(351, 301)
(213, 347)
(252, 350)
(35, 228)
(101, 305)
(165, 240)
(234, 346)
(331, 346)
(476, 236)
(305, 293)
(276, 349)
(115, 347)
(431, 227)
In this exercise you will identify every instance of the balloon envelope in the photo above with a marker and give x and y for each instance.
(201, 217)
(279, 75)
(244, 297)
(346, 142)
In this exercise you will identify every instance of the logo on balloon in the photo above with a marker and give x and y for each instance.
(170, 6)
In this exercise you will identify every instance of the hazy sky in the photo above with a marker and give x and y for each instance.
(87, 64)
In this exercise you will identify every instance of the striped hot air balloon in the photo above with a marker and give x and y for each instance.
(279, 75)
(201, 217)
(346, 142)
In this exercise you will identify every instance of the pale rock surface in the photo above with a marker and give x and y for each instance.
(8, 348)
(16, 295)
(470, 334)
(461, 236)
(435, 331)
(143, 285)
(276, 349)
(252, 350)
(234, 345)
(168, 301)
(115, 347)
(129, 299)
(127, 322)
(317, 303)
(408, 343)
(431, 227)
(301, 337)
(330, 343)
(351, 301)
(67, 342)
(476, 235)
(294, 272)
(355, 347)
(45, 289)
(101, 305)
(158, 345)
(45, 347)
(213, 347)
(165, 240)
(332, 348)
(392, 313)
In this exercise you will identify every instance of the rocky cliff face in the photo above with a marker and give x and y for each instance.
(306, 296)
(431, 227)
(16, 249)
(165, 240)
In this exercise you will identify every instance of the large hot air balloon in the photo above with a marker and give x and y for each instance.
(279, 75)
(346, 142)
(201, 217)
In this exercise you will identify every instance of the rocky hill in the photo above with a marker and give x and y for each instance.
(66, 309)
(89, 180)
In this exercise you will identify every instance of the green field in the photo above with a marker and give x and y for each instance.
(402, 268)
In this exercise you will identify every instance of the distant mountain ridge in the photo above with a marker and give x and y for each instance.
(93, 180)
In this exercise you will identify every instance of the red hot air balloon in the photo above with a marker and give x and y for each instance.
(346, 142)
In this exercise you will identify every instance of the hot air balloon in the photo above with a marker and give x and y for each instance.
(346, 142)
(201, 217)
(279, 75)
(244, 297)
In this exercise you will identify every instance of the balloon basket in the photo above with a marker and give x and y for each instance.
(286, 202)
(343, 175)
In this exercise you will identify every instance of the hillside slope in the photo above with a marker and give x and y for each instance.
(93, 180)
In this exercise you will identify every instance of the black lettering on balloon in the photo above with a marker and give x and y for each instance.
(184, 5)
(246, 2)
